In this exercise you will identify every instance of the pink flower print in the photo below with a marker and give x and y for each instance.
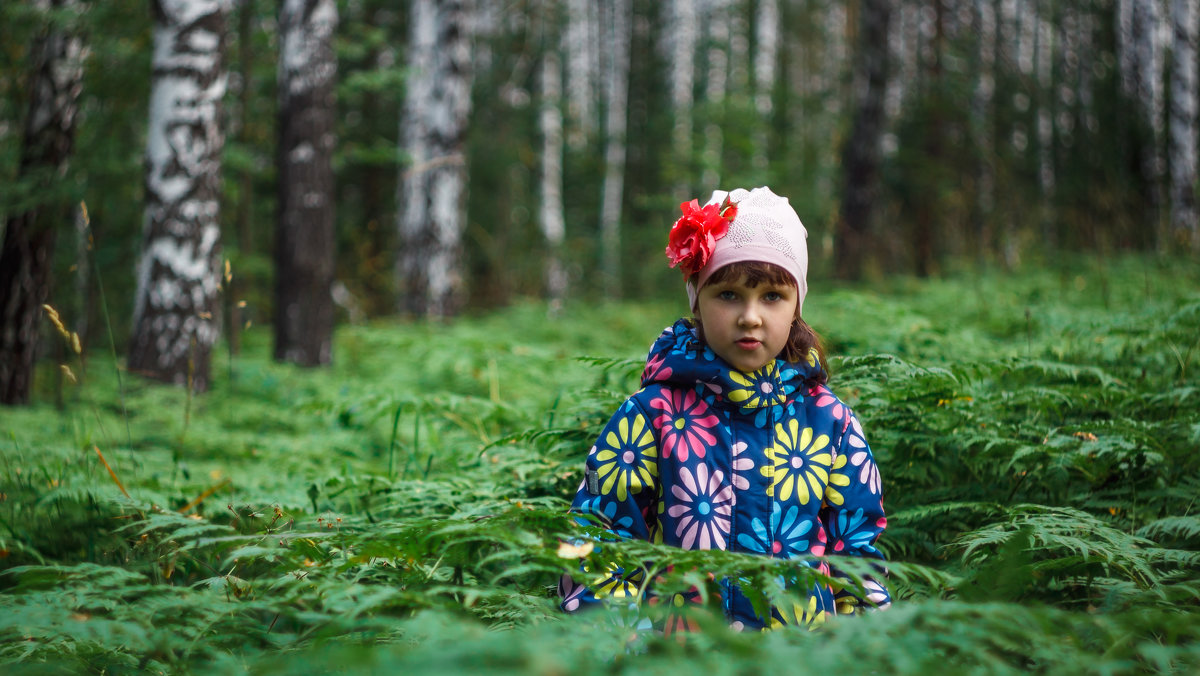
(570, 591)
(825, 399)
(877, 594)
(703, 509)
(818, 547)
(686, 423)
(655, 370)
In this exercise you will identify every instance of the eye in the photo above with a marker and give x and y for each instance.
(727, 295)
(772, 296)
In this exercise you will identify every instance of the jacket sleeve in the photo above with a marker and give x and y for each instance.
(853, 514)
(620, 489)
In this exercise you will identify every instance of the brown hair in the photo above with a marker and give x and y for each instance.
(802, 338)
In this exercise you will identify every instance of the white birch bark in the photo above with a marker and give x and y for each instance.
(176, 312)
(1146, 42)
(305, 243)
(1027, 18)
(765, 56)
(1126, 63)
(739, 49)
(1070, 38)
(835, 57)
(716, 77)
(582, 48)
(1184, 228)
(681, 30)
(904, 44)
(617, 24)
(551, 123)
(1084, 73)
(1044, 67)
(432, 190)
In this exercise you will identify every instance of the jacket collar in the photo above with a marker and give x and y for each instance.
(678, 358)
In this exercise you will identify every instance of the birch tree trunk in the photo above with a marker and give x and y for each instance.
(583, 56)
(27, 251)
(551, 122)
(905, 44)
(682, 27)
(1184, 228)
(432, 193)
(860, 155)
(1145, 63)
(1047, 103)
(765, 55)
(716, 23)
(304, 231)
(618, 25)
(175, 321)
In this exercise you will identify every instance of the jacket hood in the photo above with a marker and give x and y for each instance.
(678, 358)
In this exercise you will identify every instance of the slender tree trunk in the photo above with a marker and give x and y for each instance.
(244, 216)
(1046, 107)
(716, 23)
(176, 314)
(27, 251)
(682, 26)
(739, 49)
(1008, 45)
(905, 44)
(765, 55)
(860, 154)
(1184, 228)
(984, 19)
(1145, 62)
(618, 26)
(929, 207)
(432, 193)
(304, 232)
(551, 122)
(583, 56)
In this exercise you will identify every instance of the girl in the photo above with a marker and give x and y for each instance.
(734, 442)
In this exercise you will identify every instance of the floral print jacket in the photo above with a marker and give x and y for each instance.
(706, 457)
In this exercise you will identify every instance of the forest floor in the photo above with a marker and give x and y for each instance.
(1037, 434)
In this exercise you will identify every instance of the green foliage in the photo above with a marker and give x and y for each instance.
(405, 510)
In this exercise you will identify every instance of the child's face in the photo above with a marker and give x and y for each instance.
(747, 326)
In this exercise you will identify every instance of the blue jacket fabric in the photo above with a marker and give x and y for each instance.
(707, 457)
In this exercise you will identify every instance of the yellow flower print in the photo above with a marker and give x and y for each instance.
(798, 463)
(806, 616)
(617, 584)
(812, 357)
(626, 457)
(756, 389)
(837, 479)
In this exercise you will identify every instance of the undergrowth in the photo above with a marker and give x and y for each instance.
(1037, 435)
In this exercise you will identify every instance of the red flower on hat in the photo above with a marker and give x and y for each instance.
(694, 235)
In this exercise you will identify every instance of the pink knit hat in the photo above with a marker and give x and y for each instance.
(767, 230)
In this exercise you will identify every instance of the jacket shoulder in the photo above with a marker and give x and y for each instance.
(823, 407)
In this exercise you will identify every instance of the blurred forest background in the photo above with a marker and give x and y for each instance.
(302, 162)
(1004, 191)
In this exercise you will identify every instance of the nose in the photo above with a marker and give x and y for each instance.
(749, 317)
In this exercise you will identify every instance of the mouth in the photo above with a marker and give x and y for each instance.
(748, 343)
